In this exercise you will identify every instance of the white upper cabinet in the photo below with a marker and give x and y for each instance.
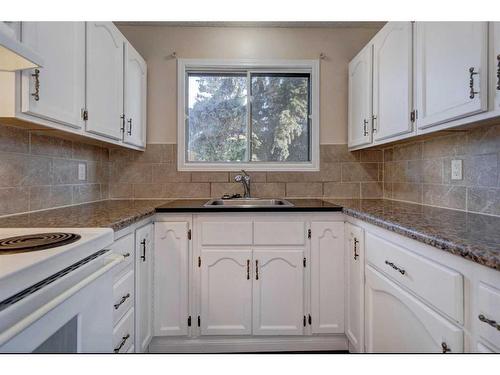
(144, 287)
(171, 278)
(355, 255)
(278, 292)
(135, 97)
(226, 292)
(360, 99)
(56, 91)
(327, 276)
(495, 64)
(392, 81)
(451, 71)
(105, 46)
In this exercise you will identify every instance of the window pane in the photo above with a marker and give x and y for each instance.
(217, 124)
(280, 117)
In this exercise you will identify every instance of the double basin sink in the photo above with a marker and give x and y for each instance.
(248, 203)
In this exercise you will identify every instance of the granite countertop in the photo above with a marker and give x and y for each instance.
(471, 236)
(114, 214)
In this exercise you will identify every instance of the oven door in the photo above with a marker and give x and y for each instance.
(71, 315)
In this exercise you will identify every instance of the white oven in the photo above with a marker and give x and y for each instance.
(68, 312)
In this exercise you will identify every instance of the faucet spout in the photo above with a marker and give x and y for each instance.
(244, 178)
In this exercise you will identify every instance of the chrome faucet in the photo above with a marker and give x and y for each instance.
(244, 178)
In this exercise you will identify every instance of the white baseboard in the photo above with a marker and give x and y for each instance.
(247, 344)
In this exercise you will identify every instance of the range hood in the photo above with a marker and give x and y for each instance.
(13, 54)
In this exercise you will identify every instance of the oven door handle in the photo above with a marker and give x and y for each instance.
(112, 261)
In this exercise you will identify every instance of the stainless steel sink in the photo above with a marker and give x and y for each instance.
(248, 203)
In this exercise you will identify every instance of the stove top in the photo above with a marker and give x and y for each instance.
(36, 242)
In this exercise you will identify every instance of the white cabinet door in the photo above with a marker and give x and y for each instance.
(171, 278)
(61, 80)
(392, 81)
(144, 287)
(355, 286)
(226, 292)
(451, 71)
(104, 79)
(327, 277)
(396, 322)
(360, 99)
(495, 64)
(135, 97)
(278, 292)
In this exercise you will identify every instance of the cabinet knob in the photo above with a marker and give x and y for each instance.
(445, 348)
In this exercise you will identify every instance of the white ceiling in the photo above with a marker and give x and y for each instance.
(328, 24)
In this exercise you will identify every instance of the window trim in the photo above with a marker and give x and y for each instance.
(185, 65)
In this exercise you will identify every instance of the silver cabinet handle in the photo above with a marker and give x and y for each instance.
(445, 348)
(374, 128)
(498, 72)
(472, 73)
(490, 322)
(365, 127)
(36, 94)
(248, 269)
(129, 121)
(256, 270)
(143, 256)
(124, 340)
(122, 128)
(124, 298)
(356, 242)
(400, 270)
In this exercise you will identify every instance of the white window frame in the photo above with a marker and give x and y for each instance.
(186, 65)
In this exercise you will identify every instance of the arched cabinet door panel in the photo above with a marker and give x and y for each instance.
(226, 292)
(397, 322)
(171, 278)
(278, 292)
(61, 80)
(104, 79)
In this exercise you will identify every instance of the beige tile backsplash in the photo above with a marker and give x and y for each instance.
(39, 171)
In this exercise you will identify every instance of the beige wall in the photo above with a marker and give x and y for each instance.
(155, 43)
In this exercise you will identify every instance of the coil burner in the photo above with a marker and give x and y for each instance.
(35, 242)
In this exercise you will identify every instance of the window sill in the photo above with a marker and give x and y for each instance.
(250, 167)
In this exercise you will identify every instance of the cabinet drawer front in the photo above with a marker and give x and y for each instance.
(123, 295)
(279, 233)
(489, 313)
(440, 286)
(124, 246)
(123, 334)
(226, 233)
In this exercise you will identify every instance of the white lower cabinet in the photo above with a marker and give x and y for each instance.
(397, 322)
(327, 277)
(171, 278)
(278, 295)
(144, 287)
(226, 292)
(355, 298)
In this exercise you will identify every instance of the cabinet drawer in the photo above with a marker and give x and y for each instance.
(440, 286)
(123, 334)
(123, 295)
(489, 313)
(226, 233)
(279, 233)
(124, 246)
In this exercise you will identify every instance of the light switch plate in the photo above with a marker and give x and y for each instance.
(82, 171)
(456, 169)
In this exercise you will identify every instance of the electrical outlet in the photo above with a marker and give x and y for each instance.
(82, 171)
(456, 169)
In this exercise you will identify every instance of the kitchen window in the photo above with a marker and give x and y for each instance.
(253, 115)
